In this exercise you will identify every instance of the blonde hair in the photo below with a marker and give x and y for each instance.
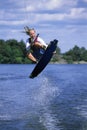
(27, 30)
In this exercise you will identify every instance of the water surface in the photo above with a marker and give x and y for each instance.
(55, 100)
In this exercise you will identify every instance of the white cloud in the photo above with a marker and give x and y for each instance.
(75, 13)
(78, 13)
(26, 15)
(55, 18)
(10, 23)
(48, 4)
(53, 4)
(32, 18)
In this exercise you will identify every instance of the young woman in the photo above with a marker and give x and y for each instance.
(35, 45)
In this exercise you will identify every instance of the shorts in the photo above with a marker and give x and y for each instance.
(35, 53)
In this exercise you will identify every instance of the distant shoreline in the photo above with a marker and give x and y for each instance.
(64, 62)
(57, 62)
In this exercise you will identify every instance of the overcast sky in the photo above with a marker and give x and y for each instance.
(65, 20)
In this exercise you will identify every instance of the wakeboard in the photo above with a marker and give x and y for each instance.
(45, 59)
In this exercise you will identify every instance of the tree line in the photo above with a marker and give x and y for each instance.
(76, 54)
(14, 52)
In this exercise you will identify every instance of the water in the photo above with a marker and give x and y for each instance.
(55, 100)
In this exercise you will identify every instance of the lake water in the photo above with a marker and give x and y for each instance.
(55, 100)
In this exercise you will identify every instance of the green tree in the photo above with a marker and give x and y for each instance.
(76, 53)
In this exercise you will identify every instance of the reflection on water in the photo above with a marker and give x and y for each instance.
(55, 100)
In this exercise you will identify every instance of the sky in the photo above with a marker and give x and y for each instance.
(64, 20)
